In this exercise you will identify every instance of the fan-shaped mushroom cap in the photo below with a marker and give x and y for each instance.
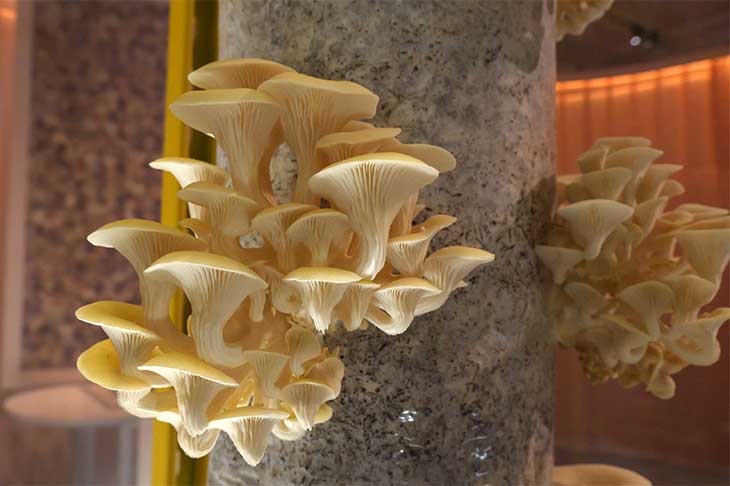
(196, 384)
(305, 397)
(708, 251)
(617, 143)
(650, 300)
(638, 160)
(406, 253)
(589, 300)
(606, 183)
(596, 475)
(354, 304)
(344, 145)
(591, 222)
(236, 73)
(696, 342)
(709, 223)
(651, 184)
(314, 108)
(559, 260)
(690, 294)
(330, 372)
(243, 122)
(272, 224)
(672, 188)
(290, 430)
(320, 289)
(187, 171)
(399, 300)
(100, 365)
(249, 429)
(354, 125)
(647, 213)
(267, 367)
(215, 285)
(702, 211)
(625, 343)
(317, 230)
(303, 346)
(142, 242)
(592, 160)
(437, 157)
(371, 189)
(133, 342)
(194, 446)
(446, 268)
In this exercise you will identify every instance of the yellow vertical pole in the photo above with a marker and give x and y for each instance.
(191, 42)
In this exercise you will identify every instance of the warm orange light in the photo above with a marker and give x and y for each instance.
(8, 14)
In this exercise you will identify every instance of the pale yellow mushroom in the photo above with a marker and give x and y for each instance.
(702, 211)
(596, 475)
(267, 367)
(592, 160)
(329, 371)
(354, 304)
(588, 300)
(371, 189)
(196, 385)
(142, 242)
(606, 183)
(707, 251)
(290, 430)
(199, 228)
(648, 212)
(249, 429)
(303, 346)
(590, 222)
(319, 231)
(690, 294)
(187, 171)
(344, 145)
(559, 260)
(650, 300)
(709, 223)
(354, 125)
(446, 268)
(320, 289)
(617, 143)
(305, 398)
(671, 188)
(194, 446)
(272, 224)
(133, 342)
(627, 342)
(244, 123)
(406, 253)
(248, 72)
(215, 285)
(696, 341)
(638, 160)
(572, 17)
(653, 180)
(284, 297)
(314, 108)
(395, 303)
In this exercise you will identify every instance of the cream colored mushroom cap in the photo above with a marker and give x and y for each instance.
(108, 235)
(118, 315)
(357, 137)
(326, 216)
(596, 475)
(322, 274)
(437, 157)
(292, 209)
(100, 365)
(463, 253)
(409, 284)
(236, 73)
(360, 101)
(197, 109)
(200, 259)
(247, 412)
(187, 170)
(189, 365)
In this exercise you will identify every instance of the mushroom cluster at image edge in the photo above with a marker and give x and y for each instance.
(344, 251)
(573, 16)
(633, 274)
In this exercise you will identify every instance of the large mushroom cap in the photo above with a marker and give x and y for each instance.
(591, 222)
(318, 231)
(249, 429)
(227, 210)
(407, 252)
(371, 189)
(437, 157)
(236, 73)
(100, 365)
(187, 171)
(343, 145)
(399, 299)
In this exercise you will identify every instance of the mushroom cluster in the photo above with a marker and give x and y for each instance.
(573, 16)
(631, 277)
(344, 250)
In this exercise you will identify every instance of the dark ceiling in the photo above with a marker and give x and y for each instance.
(665, 31)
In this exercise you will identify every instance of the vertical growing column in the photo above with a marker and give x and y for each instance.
(464, 397)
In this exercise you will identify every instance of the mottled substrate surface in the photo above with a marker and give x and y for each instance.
(98, 91)
(464, 397)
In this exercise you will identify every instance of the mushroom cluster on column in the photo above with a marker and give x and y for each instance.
(345, 250)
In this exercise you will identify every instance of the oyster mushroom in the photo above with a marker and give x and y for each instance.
(354, 304)
(653, 180)
(196, 385)
(320, 289)
(371, 189)
(194, 446)
(314, 108)
(303, 346)
(690, 294)
(236, 73)
(318, 231)
(650, 300)
(592, 160)
(344, 145)
(606, 183)
(290, 430)
(559, 260)
(394, 304)
(590, 222)
(267, 367)
(215, 285)
(696, 341)
(243, 122)
(249, 429)
(329, 371)
(707, 251)
(406, 253)
(306, 397)
(272, 224)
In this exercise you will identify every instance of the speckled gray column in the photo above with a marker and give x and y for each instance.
(464, 397)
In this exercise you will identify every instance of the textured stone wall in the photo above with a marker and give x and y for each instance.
(464, 397)
(97, 97)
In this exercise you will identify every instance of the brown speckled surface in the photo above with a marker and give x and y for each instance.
(97, 119)
(464, 397)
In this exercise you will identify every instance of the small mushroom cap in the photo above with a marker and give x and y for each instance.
(559, 260)
(228, 210)
(318, 230)
(708, 251)
(303, 346)
(249, 429)
(354, 304)
(267, 367)
(650, 299)
(189, 365)
(618, 143)
(118, 315)
(702, 211)
(305, 397)
(399, 299)
(592, 221)
(606, 183)
(187, 171)
(272, 224)
(407, 252)
(204, 110)
(236, 73)
(343, 145)
(329, 371)
(596, 475)
(194, 446)
(592, 160)
(100, 365)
